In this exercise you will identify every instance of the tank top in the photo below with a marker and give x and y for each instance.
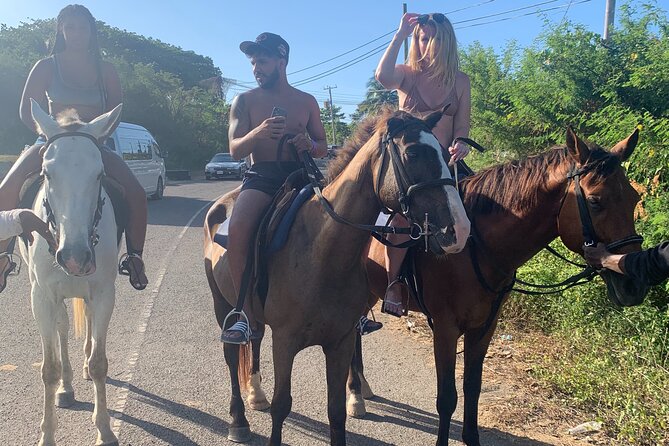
(415, 104)
(59, 92)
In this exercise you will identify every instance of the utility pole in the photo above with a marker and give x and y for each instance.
(609, 18)
(334, 131)
(406, 41)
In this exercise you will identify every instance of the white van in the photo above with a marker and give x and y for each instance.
(142, 154)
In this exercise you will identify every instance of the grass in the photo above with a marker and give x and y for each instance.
(613, 362)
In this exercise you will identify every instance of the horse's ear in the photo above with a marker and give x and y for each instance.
(394, 124)
(624, 148)
(578, 150)
(45, 124)
(432, 119)
(102, 126)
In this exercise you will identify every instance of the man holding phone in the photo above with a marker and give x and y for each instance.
(261, 121)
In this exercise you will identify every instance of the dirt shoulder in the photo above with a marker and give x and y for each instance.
(512, 400)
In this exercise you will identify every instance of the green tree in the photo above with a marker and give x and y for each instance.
(375, 97)
(342, 130)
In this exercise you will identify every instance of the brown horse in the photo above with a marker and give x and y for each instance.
(516, 209)
(317, 282)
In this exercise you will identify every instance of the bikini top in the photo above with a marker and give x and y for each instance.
(59, 92)
(414, 103)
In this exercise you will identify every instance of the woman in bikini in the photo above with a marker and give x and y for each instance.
(75, 77)
(428, 82)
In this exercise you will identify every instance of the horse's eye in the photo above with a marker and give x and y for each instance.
(412, 153)
(595, 203)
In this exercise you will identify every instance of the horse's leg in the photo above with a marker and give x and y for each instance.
(476, 346)
(101, 307)
(239, 430)
(284, 349)
(355, 406)
(44, 311)
(337, 363)
(88, 344)
(445, 346)
(65, 392)
(257, 399)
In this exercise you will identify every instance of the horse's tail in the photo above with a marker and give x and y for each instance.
(79, 310)
(245, 363)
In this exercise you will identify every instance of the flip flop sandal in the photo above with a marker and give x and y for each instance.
(8, 269)
(127, 267)
(367, 326)
(239, 333)
(395, 309)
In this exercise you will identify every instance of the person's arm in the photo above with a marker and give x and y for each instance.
(462, 118)
(599, 257)
(649, 267)
(318, 146)
(23, 221)
(113, 89)
(388, 73)
(242, 138)
(35, 88)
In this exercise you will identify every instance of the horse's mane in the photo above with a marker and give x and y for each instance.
(69, 120)
(353, 143)
(515, 185)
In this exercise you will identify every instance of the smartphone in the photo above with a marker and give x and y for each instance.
(278, 111)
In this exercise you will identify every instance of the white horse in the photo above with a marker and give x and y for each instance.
(81, 215)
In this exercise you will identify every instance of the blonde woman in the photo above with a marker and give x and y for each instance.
(429, 81)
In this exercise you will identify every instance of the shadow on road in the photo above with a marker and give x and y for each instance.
(175, 211)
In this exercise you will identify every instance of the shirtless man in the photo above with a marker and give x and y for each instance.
(254, 132)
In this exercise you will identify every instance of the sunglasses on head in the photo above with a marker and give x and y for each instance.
(437, 17)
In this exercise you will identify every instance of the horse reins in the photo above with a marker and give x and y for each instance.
(590, 239)
(406, 186)
(97, 216)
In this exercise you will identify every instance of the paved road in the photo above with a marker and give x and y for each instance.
(167, 381)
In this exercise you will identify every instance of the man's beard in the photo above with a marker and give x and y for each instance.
(271, 80)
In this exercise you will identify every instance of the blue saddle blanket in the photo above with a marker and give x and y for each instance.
(278, 239)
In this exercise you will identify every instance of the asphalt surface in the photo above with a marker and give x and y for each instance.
(168, 384)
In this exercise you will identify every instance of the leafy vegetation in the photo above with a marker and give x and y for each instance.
(615, 362)
(175, 94)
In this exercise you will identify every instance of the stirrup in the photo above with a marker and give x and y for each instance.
(398, 305)
(241, 325)
(124, 269)
(11, 269)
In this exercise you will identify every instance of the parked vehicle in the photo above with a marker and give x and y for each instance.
(223, 165)
(141, 152)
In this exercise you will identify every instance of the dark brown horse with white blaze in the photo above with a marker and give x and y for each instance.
(318, 285)
(516, 209)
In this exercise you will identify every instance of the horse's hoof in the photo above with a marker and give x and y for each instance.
(85, 374)
(355, 406)
(366, 390)
(65, 399)
(239, 434)
(261, 405)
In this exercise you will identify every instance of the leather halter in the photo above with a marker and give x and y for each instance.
(97, 216)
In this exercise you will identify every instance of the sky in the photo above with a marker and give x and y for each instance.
(318, 30)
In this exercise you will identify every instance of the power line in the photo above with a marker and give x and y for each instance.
(503, 19)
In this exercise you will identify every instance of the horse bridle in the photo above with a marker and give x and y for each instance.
(589, 234)
(97, 216)
(406, 186)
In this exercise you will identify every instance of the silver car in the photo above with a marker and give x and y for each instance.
(223, 165)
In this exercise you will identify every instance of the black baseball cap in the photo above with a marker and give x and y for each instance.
(268, 42)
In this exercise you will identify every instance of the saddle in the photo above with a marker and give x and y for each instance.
(272, 233)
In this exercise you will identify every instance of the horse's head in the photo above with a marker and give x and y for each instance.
(72, 169)
(414, 179)
(599, 207)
